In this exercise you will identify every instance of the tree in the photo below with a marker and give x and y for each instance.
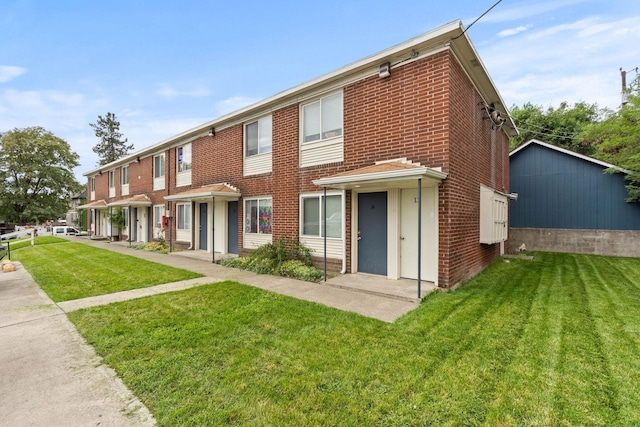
(617, 139)
(35, 175)
(111, 146)
(560, 126)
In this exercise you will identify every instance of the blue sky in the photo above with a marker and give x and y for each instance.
(165, 66)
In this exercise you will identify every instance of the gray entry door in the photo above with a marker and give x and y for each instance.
(372, 233)
(232, 227)
(134, 225)
(203, 227)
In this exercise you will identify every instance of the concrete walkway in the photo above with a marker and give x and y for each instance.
(375, 304)
(49, 376)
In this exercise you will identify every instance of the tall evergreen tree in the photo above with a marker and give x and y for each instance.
(111, 146)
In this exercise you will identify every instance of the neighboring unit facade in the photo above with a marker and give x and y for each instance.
(417, 122)
(568, 203)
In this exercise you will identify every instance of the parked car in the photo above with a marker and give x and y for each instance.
(63, 230)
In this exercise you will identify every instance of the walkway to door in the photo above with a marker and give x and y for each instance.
(402, 289)
(369, 295)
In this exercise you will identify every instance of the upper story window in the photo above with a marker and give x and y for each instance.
(158, 172)
(322, 119)
(158, 166)
(112, 179)
(258, 136)
(92, 188)
(184, 158)
(125, 175)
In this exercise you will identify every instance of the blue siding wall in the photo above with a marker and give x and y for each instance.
(557, 190)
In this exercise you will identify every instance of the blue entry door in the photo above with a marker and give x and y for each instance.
(203, 226)
(232, 227)
(372, 233)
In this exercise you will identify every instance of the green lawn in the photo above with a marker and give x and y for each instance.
(554, 341)
(71, 270)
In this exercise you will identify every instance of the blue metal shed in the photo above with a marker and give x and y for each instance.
(558, 188)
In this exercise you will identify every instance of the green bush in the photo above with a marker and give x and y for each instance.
(298, 270)
(284, 257)
(159, 247)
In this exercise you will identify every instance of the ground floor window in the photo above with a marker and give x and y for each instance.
(257, 216)
(184, 216)
(125, 214)
(158, 212)
(312, 221)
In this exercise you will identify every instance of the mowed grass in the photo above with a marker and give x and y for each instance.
(70, 270)
(554, 341)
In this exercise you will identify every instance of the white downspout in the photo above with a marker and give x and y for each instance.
(344, 232)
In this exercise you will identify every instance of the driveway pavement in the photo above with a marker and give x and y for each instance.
(48, 375)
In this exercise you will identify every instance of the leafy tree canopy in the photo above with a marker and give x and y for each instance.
(111, 146)
(560, 126)
(617, 139)
(36, 175)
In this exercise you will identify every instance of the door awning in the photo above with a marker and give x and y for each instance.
(222, 190)
(398, 173)
(96, 204)
(139, 200)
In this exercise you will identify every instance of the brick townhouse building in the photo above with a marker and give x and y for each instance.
(420, 121)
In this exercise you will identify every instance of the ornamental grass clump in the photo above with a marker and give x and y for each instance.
(284, 257)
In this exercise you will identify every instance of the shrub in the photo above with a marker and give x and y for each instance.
(285, 257)
(160, 247)
(296, 269)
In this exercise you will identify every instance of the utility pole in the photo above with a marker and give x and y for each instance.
(623, 75)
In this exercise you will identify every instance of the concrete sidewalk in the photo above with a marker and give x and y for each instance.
(49, 376)
(367, 304)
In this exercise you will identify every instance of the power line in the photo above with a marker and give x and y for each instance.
(479, 18)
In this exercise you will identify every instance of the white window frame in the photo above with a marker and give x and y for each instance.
(92, 187)
(264, 133)
(124, 180)
(112, 183)
(158, 213)
(321, 231)
(323, 134)
(125, 213)
(184, 156)
(159, 172)
(183, 216)
(247, 215)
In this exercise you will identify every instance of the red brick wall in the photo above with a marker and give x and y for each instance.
(477, 155)
(426, 111)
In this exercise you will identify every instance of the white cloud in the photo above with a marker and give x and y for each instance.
(169, 92)
(513, 31)
(572, 62)
(9, 72)
(504, 13)
(234, 103)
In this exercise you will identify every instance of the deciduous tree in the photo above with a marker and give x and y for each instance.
(617, 139)
(36, 175)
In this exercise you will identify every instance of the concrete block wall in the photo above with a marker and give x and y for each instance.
(595, 242)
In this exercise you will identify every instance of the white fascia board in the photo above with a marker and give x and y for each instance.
(203, 195)
(381, 176)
